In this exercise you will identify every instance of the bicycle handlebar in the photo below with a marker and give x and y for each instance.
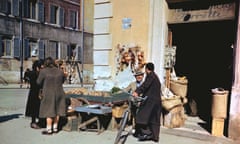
(138, 98)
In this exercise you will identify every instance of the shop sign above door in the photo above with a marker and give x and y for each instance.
(216, 12)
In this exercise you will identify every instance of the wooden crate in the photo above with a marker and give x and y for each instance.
(217, 126)
(72, 124)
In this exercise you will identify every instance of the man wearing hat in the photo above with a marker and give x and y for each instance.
(139, 75)
(148, 115)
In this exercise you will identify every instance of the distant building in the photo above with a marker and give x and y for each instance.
(42, 28)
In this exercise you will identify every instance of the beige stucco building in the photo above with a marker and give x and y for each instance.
(148, 27)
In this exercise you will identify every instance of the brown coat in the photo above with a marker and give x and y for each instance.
(53, 102)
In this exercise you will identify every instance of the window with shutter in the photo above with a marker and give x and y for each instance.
(26, 49)
(41, 53)
(1, 47)
(29, 8)
(40, 12)
(26, 8)
(53, 14)
(16, 47)
(61, 17)
(4, 6)
(16, 8)
(63, 51)
(33, 10)
(73, 19)
(7, 44)
(53, 49)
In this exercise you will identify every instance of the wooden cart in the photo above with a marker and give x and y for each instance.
(95, 109)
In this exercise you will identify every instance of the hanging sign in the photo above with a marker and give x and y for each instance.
(215, 12)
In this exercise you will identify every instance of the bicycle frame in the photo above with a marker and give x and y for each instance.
(125, 118)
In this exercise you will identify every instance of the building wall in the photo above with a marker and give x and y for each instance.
(33, 29)
(142, 32)
(234, 114)
(67, 5)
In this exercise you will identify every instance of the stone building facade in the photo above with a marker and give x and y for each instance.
(35, 29)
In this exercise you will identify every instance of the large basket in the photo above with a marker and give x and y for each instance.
(117, 111)
(170, 103)
(179, 87)
(219, 104)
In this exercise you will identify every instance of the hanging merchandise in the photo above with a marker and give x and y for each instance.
(169, 56)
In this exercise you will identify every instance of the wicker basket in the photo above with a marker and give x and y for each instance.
(219, 104)
(117, 111)
(179, 87)
(170, 103)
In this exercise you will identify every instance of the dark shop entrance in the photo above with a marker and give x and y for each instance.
(205, 56)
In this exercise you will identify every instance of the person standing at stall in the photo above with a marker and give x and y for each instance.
(148, 115)
(139, 76)
(53, 103)
(26, 77)
(33, 101)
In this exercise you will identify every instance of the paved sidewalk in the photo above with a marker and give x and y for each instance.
(15, 129)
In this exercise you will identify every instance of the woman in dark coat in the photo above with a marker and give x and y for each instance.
(33, 101)
(148, 115)
(53, 104)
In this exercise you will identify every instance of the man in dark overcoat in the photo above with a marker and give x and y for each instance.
(53, 103)
(148, 115)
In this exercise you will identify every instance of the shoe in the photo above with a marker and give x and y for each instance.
(34, 126)
(154, 140)
(136, 135)
(144, 137)
(55, 131)
(47, 132)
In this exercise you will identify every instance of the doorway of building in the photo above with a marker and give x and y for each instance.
(205, 56)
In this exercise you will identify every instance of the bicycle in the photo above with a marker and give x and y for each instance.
(120, 136)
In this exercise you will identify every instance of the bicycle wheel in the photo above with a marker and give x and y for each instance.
(122, 127)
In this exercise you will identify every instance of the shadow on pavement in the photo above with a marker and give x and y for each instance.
(9, 117)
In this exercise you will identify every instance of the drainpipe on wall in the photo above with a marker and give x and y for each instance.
(82, 41)
(21, 41)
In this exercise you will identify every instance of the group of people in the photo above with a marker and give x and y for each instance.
(147, 115)
(47, 110)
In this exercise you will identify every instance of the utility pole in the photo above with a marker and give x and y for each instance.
(21, 41)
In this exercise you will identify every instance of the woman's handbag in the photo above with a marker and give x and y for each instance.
(40, 95)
